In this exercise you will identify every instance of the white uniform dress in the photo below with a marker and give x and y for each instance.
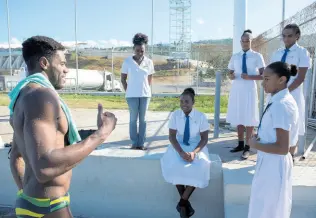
(243, 97)
(174, 169)
(298, 56)
(271, 192)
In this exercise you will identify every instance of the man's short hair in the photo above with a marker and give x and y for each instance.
(39, 46)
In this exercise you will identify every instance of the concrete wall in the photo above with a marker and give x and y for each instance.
(127, 186)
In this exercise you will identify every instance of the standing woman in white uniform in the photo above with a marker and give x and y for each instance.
(186, 163)
(136, 77)
(245, 67)
(271, 192)
(294, 54)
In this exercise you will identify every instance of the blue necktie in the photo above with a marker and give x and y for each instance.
(186, 135)
(244, 64)
(284, 55)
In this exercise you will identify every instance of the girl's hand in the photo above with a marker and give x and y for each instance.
(231, 76)
(245, 76)
(192, 156)
(185, 156)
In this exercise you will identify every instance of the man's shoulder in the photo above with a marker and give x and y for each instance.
(39, 98)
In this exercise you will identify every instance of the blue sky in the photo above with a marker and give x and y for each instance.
(109, 21)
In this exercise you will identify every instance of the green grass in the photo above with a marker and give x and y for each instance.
(202, 103)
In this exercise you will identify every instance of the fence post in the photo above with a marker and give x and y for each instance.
(306, 91)
(312, 97)
(261, 101)
(217, 103)
(197, 73)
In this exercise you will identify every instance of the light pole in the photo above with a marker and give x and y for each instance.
(283, 13)
(77, 74)
(112, 69)
(152, 29)
(9, 36)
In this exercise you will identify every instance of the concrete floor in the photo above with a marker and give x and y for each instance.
(157, 141)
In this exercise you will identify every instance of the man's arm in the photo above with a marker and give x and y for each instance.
(299, 79)
(42, 111)
(123, 80)
(17, 165)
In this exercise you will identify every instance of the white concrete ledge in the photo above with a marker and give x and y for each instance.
(129, 185)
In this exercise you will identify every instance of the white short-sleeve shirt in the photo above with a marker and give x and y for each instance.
(254, 61)
(283, 114)
(198, 124)
(297, 55)
(137, 77)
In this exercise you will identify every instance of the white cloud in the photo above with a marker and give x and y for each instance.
(97, 43)
(15, 43)
(200, 21)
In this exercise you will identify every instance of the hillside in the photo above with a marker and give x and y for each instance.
(214, 55)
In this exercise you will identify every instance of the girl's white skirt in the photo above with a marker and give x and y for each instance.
(179, 172)
(271, 191)
(243, 108)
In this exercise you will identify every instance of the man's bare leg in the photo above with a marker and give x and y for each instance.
(249, 133)
(62, 213)
(241, 143)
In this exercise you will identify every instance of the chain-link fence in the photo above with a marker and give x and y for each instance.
(269, 41)
(172, 73)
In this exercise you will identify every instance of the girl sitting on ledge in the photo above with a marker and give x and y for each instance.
(186, 163)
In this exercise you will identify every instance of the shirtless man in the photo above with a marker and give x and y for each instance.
(42, 158)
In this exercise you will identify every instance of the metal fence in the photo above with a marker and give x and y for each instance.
(172, 74)
(269, 41)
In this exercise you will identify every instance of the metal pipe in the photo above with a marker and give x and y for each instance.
(178, 74)
(312, 90)
(217, 103)
(306, 91)
(261, 101)
(309, 149)
(112, 76)
(283, 13)
(240, 23)
(197, 73)
(152, 29)
(9, 36)
(77, 64)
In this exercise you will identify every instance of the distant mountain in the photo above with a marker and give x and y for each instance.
(228, 41)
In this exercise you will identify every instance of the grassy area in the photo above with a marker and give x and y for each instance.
(203, 103)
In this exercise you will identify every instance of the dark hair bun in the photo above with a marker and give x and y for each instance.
(140, 39)
(293, 70)
(189, 90)
(248, 31)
